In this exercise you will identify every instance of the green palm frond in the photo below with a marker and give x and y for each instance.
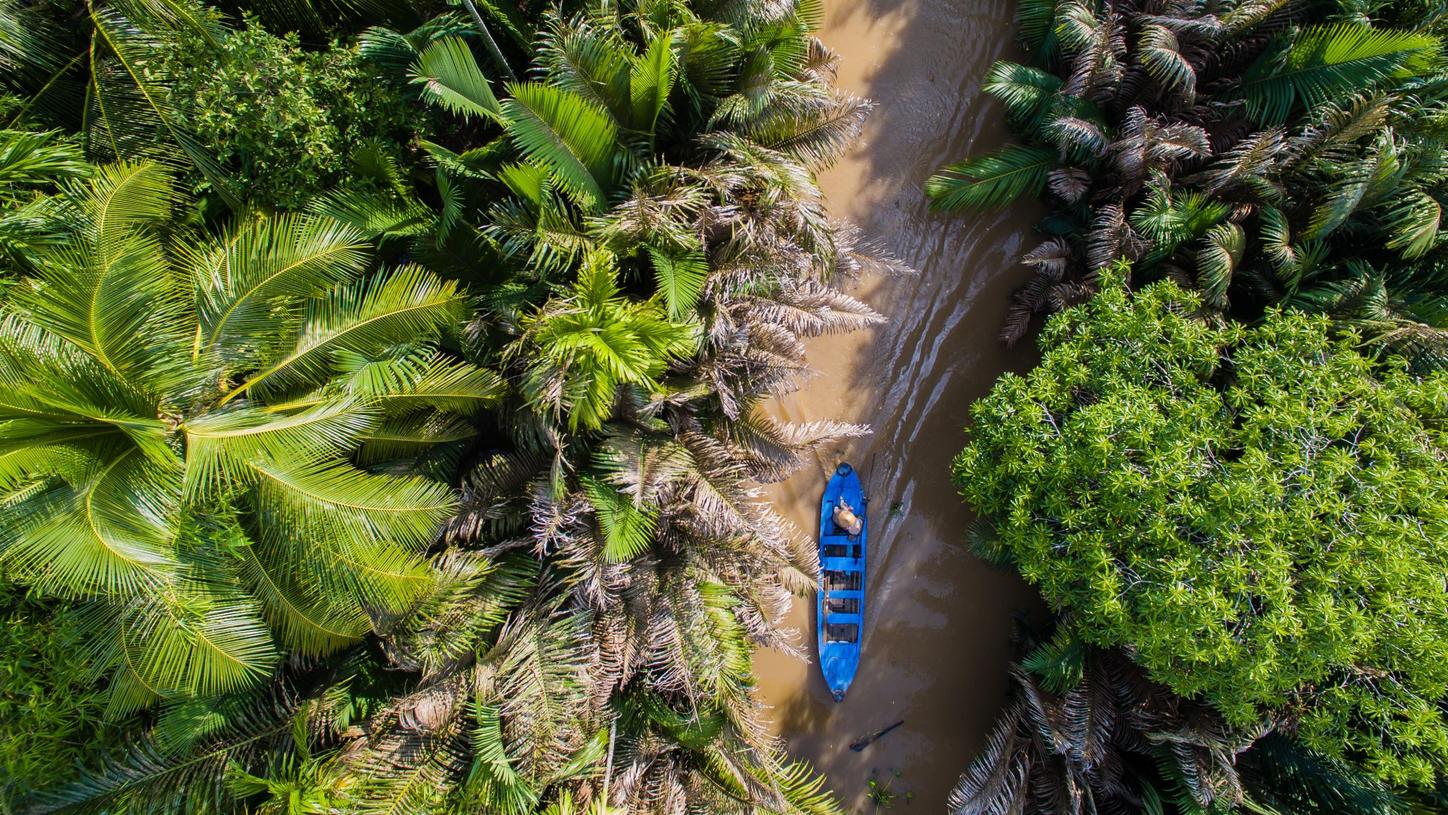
(303, 617)
(1036, 27)
(590, 58)
(364, 530)
(32, 159)
(1354, 186)
(363, 318)
(222, 447)
(433, 382)
(493, 783)
(803, 789)
(378, 215)
(651, 80)
(584, 349)
(30, 44)
(1324, 63)
(1218, 258)
(208, 641)
(679, 279)
(1413, 220)
(1249, 14)
(1026, 91)
(112, 532)
(148, 780)
(133, 116)
(1059, 662)
(396, 52)
(451, 79)
(992, 180)
(246, 274)
(627, 526)
(110, 290)
(575, 139)
(428, 444)
(354, 507)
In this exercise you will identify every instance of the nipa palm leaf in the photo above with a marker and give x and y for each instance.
(450, 78)
(1324, 63)
(992, 180)
(575, 139)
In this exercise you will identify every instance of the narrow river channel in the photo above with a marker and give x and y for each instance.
(938, 621)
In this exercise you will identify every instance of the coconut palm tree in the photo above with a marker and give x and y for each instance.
(1257, 161)
(196, 429)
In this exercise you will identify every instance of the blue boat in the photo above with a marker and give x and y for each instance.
(840, 603)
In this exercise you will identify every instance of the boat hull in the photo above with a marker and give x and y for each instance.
(840, 601)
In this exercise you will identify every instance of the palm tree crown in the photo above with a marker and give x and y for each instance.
(182, 427)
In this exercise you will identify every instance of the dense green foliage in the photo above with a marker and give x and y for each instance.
(1261, 151)
(289, 120)
(437, 489)
(178, 424)
(1253, 510)
(50, 714)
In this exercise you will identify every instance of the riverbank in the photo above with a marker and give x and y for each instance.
(939, 621)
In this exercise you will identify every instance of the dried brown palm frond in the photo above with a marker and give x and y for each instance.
(856, 255)
(495, 492)
(1250, 164)
(1070, 184)
(1051, 257)
(1097, 45)
(809, 309)
(1331, 133)
(814, 128)
(820, 62)
(1108, 742)
(773, 449)
(663, 210)
(1107, 238)
(409, 764)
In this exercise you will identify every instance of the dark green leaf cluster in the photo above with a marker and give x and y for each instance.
(1254, 511)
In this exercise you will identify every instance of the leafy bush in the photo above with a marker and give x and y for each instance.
(288, 118)
(1253, 510)
(50, 708)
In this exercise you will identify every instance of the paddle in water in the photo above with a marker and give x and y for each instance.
(870, 739)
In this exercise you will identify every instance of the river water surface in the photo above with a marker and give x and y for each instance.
(938, 621)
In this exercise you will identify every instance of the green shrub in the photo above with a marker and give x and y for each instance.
(286, 118)
(1253, 510)
(50, 707)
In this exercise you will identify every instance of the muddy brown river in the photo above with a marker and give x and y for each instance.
(938, 621)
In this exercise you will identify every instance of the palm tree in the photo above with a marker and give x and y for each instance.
(625, 496)
(649, 250)
(1228, 151)
(33, 165)
(1086, 731)
(581, 348)
(195, 432)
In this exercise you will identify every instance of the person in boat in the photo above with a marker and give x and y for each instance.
(846, 519)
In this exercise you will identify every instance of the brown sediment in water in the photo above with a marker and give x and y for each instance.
(938, 621)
